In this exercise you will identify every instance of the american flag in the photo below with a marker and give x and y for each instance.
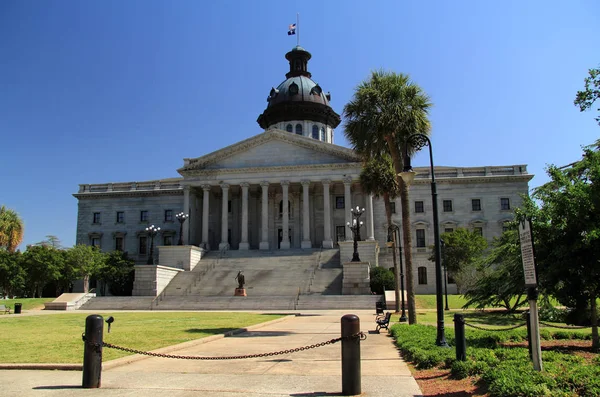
(292, 29)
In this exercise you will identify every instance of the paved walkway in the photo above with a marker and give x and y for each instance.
(315, 372)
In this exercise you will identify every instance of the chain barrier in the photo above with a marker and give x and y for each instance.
(494, 329)
(564, 326)
(360, 335)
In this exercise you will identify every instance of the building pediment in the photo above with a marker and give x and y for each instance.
(273, 148)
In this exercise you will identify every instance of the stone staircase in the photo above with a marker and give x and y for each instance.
(275, 280)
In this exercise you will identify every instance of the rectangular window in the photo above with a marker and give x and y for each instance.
(448, 230)
(422, 273)
(393, 207)
(96, 242)
(420, 238)
(168, 240)
(143, 245)
(96, 217)
(120, 217)
(447, 205)
(419, 208)
(478, 230)
(143, 216)
(340, 202)
(505, 227)
(229, 206)
(119, 243)
(168, 215)
(476, 204)
(504, 203)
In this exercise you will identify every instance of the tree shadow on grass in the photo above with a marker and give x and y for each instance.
(209, 331)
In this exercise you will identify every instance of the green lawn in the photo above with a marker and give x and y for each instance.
(57, 338)
(27, 304)
(428, 301)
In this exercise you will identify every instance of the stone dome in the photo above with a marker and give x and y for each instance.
(298, 97)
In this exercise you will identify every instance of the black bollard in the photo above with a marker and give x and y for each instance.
(92, 351)
(350, 355)
(459, 337)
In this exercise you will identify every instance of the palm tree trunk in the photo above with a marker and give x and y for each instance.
(406, 234)
(388, 213)
(594, 315)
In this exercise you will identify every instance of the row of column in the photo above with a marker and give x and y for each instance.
(285, 243)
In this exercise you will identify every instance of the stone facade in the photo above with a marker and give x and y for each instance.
(235, 197)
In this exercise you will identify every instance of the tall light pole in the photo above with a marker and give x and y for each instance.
(152, 231)
(181, 217)
(416, 142)
(355, 228)
(394, 233)
(445, 277)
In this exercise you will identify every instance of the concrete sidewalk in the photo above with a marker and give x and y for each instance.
(315, 372)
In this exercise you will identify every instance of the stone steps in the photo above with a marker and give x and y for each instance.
(118, 303)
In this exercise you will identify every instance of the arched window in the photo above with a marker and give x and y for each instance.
(422, 273)
(323, 134)
(289, 128)
(298, 129)
(315, 132)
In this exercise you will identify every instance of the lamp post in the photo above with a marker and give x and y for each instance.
(181, 217)
(394, 230)
(445, 276)
(152, 231)
(417, 141)
(355, 228)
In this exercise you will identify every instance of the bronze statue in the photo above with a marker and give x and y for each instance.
(240, 279)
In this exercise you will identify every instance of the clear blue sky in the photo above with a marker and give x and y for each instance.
(108, 91)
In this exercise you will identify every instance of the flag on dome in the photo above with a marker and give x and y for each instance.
(292, 29)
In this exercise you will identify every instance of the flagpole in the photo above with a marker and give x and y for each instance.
(298, 29)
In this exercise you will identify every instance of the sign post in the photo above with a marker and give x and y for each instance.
(527, 255)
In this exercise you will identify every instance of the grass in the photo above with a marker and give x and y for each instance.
(428, 301)
(57, 338)
(27, 304)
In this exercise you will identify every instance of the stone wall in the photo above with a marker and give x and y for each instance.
(184, 257)
(151, 280)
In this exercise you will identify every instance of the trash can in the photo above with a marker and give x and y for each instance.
(17, 308)
(379, 307)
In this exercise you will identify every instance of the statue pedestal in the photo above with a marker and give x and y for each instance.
(240, 292)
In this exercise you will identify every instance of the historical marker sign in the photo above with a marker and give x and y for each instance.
(527, 254)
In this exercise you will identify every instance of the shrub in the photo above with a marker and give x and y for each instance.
(381, 279)
(464, 369)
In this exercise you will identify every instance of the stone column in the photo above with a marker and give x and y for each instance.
(285, 217)
(327, 241)
(348, 206)
(264, 238)
(244, 243)
(306, 243)
(205, 207)
(370, 222)
(224, 245)
(186, 210)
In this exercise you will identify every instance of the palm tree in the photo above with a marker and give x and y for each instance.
(383, 112)
(378, 178)
(11, 229)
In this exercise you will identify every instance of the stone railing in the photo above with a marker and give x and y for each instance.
(130, 186)
(458, 172)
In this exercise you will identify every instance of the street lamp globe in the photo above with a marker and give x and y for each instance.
(181, 217)
(152, 232)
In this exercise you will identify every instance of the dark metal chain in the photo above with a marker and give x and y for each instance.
(565, 327)
(360, 335)
(494, 329)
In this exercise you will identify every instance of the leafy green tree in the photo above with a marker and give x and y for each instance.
(567, 235)
(43, 265)
(117, 272)
(86, 261)
(51, 241)
(461, 250)
(12, 275)
(383, 112)
(500, 282)
(11, 229)
(587, 97)
(381, 279)
(378, 178)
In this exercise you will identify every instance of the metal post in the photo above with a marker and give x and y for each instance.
(459, 337)
(92, 352)
(528, 320)
(403, 315)
(446, 287)
(350, 355)
(536, 349)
